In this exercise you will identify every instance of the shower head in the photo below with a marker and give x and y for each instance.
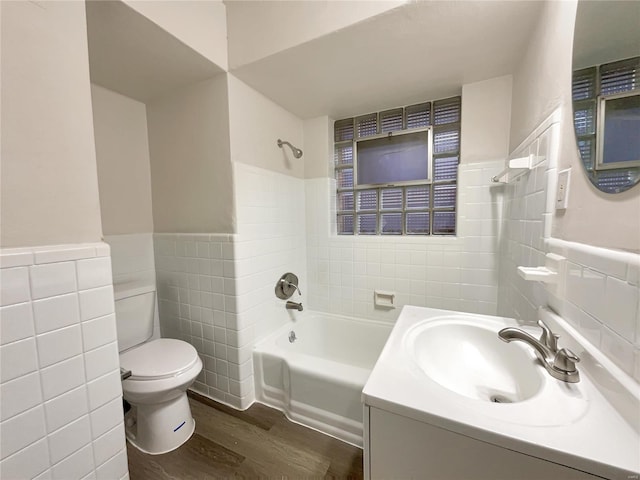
(297, 153)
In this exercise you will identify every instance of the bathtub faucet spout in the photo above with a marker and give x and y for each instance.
(294, 306)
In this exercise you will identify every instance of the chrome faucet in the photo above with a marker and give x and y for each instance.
(560, 364)
(294, 306)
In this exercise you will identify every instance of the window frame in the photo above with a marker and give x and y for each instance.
(367, 186)
(600, 130)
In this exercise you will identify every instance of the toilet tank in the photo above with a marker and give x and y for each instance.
(135, 309)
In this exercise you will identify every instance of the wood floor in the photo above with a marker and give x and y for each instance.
(257, 443)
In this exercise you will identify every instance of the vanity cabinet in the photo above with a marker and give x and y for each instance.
(401, 447)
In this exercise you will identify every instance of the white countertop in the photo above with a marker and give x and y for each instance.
(571, 424)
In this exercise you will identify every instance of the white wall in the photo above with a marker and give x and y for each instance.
(48, 170)
(191, 178)
(542, 83)
(201, 24)
(258, 28)
(124, 172)
(256, 123)
(486, 118)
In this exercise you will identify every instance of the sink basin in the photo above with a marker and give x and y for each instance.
(468, 358)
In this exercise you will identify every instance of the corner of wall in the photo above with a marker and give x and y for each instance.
(318, 147)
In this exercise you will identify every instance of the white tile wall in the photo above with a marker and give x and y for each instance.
(527, 208)
(53, 422)
(457, 273)
(16, 323)
(132, 256)
(217, 291)
(599, 295)
(133, 264)
(602, 299)
(271, 241)
(193, 305)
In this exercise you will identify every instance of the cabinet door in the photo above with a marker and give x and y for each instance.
(405, 448)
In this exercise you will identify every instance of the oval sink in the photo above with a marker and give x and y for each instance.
(469, 359)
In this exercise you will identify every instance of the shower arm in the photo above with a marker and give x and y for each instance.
(297, 153)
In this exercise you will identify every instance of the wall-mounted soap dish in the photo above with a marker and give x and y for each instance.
(384, 299)
(538, 274)
(551, 272)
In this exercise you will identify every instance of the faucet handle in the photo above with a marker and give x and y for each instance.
(291, 285)
(565, 360)
(548, 338)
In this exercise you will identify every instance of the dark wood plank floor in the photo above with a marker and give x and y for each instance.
(257, 443)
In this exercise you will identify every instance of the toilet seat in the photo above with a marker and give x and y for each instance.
(159, 359)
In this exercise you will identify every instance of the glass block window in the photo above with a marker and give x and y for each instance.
(604, 95)
(391, 120)
(396, 171)
(367, 125)
(418, 116)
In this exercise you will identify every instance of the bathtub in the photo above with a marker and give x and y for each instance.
(317, 379)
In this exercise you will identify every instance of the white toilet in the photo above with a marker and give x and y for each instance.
(161, 371)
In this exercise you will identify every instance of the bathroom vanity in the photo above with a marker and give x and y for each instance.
(448, 399)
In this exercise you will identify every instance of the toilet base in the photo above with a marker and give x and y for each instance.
(160, 428)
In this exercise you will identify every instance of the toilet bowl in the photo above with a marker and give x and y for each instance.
(162, 370)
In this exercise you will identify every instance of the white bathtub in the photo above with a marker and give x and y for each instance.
(317, 380)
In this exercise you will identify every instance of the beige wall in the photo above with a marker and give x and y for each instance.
(486, 118)
(256, 124)
(541, 83)
(261, 28)
(200, 24)
(318, 147)
(122, 151)
(191, 179)
(49, 183)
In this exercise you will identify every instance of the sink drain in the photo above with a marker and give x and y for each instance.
(500, 399)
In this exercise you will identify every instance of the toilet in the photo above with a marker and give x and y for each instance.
(161, 372)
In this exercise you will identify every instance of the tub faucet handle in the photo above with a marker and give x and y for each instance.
(286, 286)
(291, 285)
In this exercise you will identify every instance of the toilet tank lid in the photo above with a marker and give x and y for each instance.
(132, 288)
(159, 358)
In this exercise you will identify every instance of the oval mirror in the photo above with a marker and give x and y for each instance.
(606, 92)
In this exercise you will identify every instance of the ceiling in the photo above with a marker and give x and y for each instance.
(131, 55)
(419, 51)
